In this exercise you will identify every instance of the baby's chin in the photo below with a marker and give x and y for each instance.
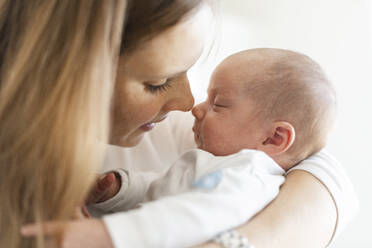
(198, 144)
(197, 140)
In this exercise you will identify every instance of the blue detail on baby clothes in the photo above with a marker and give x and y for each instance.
(210, 181)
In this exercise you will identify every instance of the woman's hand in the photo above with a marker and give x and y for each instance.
(303, 215)
(90, 233)
(84, 231)
(209, 245)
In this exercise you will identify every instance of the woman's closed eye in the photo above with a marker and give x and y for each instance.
(159, 88)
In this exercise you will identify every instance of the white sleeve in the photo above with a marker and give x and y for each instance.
(324, 167)
(193, 217)
(137, 187)
(134, 187)
(139, 166)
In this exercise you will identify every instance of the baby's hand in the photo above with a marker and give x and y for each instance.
(106, 187)
(81, 213)
(90, 233)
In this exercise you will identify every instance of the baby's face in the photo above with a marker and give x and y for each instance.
(225, 122)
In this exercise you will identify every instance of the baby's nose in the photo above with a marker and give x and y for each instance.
(197, 112)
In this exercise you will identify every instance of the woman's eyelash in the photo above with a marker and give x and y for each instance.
(159, 88)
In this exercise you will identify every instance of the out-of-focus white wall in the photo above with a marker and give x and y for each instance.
(338, 35)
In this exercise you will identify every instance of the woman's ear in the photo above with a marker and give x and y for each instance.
(279, 139)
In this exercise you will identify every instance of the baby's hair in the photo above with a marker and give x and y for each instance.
(289, 86)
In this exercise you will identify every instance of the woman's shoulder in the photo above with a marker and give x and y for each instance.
(331, 173)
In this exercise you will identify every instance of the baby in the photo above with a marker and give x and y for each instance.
(271, 100)
(267, 110)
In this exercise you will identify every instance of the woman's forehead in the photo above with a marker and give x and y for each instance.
(173, 51)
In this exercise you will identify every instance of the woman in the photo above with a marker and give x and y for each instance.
(57, 73)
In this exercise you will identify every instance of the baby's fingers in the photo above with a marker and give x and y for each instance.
(47, 228)
(102, 190)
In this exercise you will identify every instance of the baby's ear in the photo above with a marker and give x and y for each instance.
(279, 138)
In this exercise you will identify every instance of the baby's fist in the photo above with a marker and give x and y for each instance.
(106, 187)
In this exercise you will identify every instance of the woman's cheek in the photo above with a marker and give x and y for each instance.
(149, 111)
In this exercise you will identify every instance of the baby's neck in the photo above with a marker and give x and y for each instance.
(283, 162)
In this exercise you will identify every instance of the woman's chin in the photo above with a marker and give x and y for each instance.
(128, 141)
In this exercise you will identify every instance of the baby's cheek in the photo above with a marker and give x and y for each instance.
(220, 133)
(216, 141)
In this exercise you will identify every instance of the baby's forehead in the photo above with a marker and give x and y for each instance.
(266, 65)
(238, 71)
(244, 65)
(226, 81)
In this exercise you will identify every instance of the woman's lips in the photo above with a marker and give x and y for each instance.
(149, 126)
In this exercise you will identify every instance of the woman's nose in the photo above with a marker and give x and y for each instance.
(198, 112)
(182, 100)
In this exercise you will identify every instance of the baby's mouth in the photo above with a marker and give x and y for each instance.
(197, 140)
(195, 130)
(196, 137)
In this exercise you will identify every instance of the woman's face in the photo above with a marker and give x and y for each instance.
(152, 80)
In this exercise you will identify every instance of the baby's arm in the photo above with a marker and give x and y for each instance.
(196, 216)
(130, 189)
(138, 187)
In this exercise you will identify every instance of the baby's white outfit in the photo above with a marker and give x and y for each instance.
(214, 193)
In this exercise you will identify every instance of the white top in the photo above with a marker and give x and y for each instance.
(211, 194)
(161, 147)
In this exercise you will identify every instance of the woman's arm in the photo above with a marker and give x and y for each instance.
(196, 216)
(303, 215)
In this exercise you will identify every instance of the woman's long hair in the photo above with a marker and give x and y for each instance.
(57, 67)
(58, 63)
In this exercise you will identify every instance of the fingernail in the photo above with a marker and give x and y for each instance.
(101, 186)
(104, 183)
(110, 179)
(26, 231)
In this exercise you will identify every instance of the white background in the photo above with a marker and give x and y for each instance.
(338, 35)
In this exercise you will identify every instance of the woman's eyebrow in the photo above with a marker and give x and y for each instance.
(173, 75)
(176, 74)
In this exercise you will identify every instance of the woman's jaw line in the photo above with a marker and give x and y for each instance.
(133, 138)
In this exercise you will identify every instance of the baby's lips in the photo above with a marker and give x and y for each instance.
(195, 128)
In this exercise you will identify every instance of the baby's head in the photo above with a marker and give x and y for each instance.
(273, 100)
